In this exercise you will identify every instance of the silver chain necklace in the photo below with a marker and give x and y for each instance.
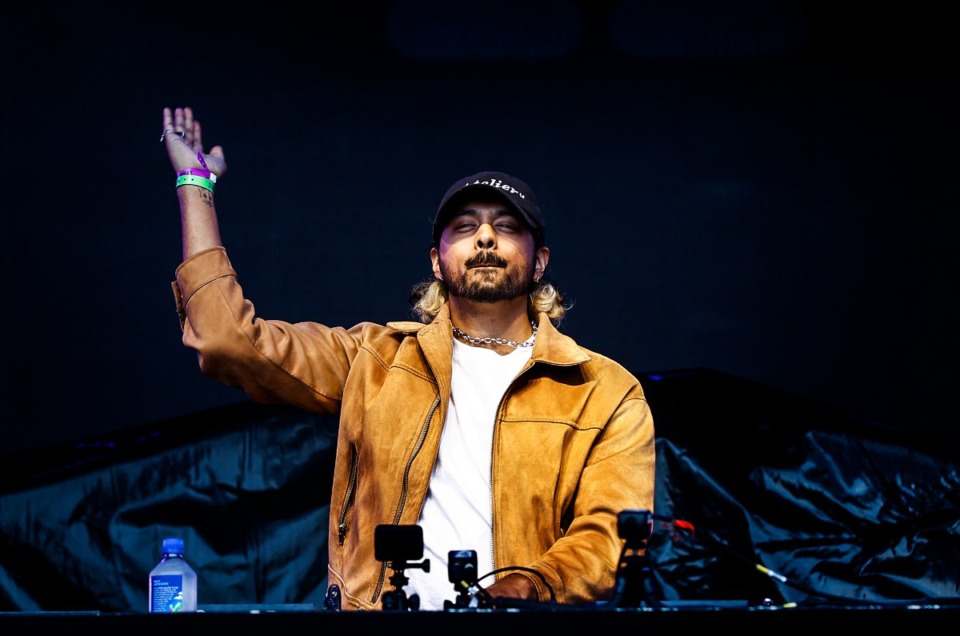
(500, 341)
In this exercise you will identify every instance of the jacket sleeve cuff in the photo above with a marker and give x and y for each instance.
(196, 272)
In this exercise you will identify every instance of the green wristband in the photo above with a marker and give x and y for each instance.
(189, 179)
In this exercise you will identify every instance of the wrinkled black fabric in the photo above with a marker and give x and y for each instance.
(847, 511)
(247, 489)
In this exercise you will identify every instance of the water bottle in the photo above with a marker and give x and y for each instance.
(173, 583)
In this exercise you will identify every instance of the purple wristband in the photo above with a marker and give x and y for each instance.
(198, 172)
(202, 162)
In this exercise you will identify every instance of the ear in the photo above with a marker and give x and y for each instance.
(540, 266)
(435, 263)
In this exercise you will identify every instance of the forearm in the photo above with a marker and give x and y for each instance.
(619, 475)
(198, 220)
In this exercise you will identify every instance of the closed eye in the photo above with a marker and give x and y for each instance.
(470, 220)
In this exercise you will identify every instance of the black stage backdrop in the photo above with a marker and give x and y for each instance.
(760, 188)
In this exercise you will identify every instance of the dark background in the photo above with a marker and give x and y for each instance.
(766, 189)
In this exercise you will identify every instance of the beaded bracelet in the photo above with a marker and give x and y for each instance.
(189, 179)
(198, 172)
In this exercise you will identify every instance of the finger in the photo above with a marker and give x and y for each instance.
(188, 124)
(197, 137)
(178, 120)
(167, 129)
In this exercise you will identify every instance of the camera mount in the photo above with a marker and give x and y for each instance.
(396, 545)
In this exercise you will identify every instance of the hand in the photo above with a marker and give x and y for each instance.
(186, 150)
(513, 586)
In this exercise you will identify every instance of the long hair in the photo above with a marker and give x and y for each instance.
(428, 296)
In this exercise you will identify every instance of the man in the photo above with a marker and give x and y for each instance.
(480, 423)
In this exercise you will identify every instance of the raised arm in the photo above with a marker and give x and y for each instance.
(183, 139)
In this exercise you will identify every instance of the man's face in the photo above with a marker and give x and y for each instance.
(486, 253)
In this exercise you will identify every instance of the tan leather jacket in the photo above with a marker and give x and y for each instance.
(573, 446)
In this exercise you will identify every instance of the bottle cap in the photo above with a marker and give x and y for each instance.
(173, 545)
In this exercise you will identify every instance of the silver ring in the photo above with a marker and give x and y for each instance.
(164, 134)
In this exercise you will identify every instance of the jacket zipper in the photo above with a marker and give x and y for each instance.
(348, 496)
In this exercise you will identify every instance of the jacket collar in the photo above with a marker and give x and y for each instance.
(550, 347)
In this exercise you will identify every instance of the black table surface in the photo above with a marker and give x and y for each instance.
(927, 619)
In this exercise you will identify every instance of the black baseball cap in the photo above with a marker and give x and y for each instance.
(514, 191)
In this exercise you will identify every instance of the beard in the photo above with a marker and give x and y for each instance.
(488, 286)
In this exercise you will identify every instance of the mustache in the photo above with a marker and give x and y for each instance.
(487, 259)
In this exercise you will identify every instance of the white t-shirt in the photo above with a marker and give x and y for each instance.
(457, 512)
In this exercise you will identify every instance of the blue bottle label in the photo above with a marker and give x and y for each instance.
(167, 593)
